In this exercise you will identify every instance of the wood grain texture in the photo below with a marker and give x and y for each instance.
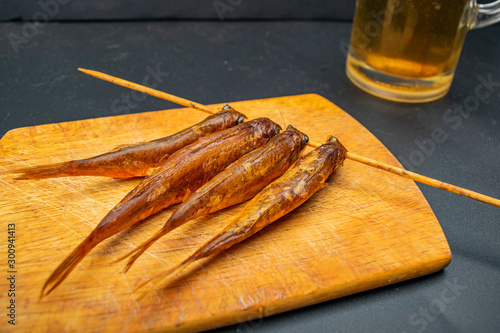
(366, 229)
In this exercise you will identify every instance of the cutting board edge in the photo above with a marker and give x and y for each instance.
(30, 127)
(13, 131)
(128, 115)
(259, 313)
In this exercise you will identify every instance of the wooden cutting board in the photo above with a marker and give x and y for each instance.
(364, 230)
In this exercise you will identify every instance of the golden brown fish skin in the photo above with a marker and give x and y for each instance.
(299, 183)
(185, 170)
(239, 182)
(135, 160)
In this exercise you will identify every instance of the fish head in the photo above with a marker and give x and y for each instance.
(339, 151)
(226, 118)
(269, 128)
(238, 116)
(304, 139)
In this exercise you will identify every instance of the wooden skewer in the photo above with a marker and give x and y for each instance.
(146, 90)
(352, 156)
(425, 180)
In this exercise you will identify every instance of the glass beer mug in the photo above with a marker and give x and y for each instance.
(407, 50)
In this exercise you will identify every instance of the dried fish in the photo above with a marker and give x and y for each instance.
(239, 182)
(135, 160)
(184, 172)
(297, 185)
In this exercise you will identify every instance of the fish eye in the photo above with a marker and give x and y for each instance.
(332, 138)
(226, 107)
(239, 120)
(289, 127)
(277, 130)
(306, 140)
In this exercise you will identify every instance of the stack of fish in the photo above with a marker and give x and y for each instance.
(217, 163)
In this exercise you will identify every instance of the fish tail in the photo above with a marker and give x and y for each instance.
(44, 171)
(157, 280)
(63, 270)
(136, 253)
(171, 224)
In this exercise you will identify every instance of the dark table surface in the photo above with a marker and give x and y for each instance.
(213, 62)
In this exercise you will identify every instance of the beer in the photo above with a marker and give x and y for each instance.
(407, 50)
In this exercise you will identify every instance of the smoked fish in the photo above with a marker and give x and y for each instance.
(297, 185)
(182, 173)
(135, 160)
(239, 182)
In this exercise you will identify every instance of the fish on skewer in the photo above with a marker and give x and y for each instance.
(182, 173)
(135, 160)
(239, 182)
(296, 186)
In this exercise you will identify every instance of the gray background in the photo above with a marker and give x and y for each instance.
(184, 9)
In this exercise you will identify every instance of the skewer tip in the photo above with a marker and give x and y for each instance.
(92, 73)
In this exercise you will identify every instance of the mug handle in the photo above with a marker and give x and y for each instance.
(486, 14)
